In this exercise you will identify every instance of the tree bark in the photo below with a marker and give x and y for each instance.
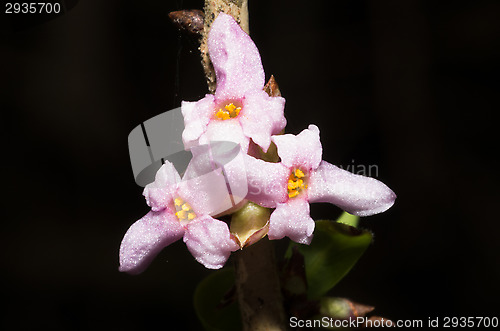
(258, 288)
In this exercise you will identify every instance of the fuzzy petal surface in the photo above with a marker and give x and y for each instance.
(302, 150)
(231, 159)
(215, 179)
(292, 219)
(207, 194)
(159, 194)
(146, 238)
(229, 130)
(197, 115)
(358, 195)
(235, 57)
(262, 116)
(209, 241)
(267, 182)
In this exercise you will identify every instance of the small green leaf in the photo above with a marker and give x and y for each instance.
(348, 219)
(215, 311)
(334, 250)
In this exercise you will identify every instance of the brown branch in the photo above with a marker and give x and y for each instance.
(258, 288)
(256, 275)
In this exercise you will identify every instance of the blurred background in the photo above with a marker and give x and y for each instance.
(408, 86)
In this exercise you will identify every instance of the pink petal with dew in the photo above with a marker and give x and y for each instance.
(159, 194)
(261, 117)
(209, 241)
(146, 238)
(235, 57)
(267, 182)
(292, 220)
(207, 194)
(230, 158)
(303, 150)
(228, 130)
(358, 195)
(215, 180)
(197, 116)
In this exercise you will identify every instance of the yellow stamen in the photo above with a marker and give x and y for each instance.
(223, 115)
(295, 183)
(298, 173)
(181, 214)
(292, 185)
(229, 111)
(184, 211)
(230, 107)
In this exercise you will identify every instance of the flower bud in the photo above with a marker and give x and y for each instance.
(341, 308)
(250, 224)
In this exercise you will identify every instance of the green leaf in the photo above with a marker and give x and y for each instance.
(334, 250)
(216, 312)
(348, 219)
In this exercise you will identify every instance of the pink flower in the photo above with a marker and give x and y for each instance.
(302, 178)
(240, 110)
(181, 209)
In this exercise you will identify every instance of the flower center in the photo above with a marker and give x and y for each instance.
(296, 183)
(184, 210)
(229, 111)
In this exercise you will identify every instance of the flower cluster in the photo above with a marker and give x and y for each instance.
(241, 112)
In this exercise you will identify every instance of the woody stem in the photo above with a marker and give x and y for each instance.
(258, 288)
(256, 276)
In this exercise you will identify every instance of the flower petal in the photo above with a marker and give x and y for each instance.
(292, 219)
(159, 194)
(230, 158)
(215, 179)
(146, 238)
(229, 130)
(209, 240)
(207, 194)
(197, 115)
(267, 182)
(302, 150)
(235, 57)
(261, 117)
(358, 195)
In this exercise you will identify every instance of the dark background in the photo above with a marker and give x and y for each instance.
(409, 86)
